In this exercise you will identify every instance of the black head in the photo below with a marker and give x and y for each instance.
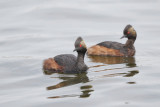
(129, 32)
(80, 46)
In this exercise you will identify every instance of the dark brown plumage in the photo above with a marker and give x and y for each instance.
(68, 63)
(109, 48)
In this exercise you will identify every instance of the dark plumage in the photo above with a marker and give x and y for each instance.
(68, 63)
(109, 48)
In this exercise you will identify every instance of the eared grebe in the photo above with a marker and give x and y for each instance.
(68, 63)
(109, 48)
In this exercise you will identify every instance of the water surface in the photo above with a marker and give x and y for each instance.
(31, 31)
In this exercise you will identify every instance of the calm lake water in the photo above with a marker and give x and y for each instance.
(33, 30)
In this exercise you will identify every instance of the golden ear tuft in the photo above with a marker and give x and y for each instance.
(132, 31)
(83, 44)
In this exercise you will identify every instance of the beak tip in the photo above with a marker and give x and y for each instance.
(123, 37)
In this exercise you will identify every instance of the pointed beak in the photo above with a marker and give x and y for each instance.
(124, 36)
(75, 50)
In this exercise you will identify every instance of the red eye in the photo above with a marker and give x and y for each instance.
(128, 32)
(80, 45)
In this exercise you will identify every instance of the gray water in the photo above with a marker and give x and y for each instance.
(33, 30)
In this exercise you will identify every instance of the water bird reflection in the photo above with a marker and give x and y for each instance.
(128, 74)
(130, 61)
(68, 81)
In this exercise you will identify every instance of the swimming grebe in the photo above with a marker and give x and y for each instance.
(109, 48)
(68, 63)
